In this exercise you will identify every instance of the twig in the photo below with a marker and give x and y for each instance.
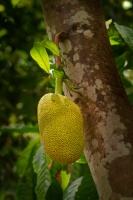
(57, 40)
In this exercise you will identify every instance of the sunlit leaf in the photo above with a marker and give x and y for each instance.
(126, 33)
(108, 22)
(114, 40)
(15, 2)
(39, 54)
(51, 46)
(128, 74)
(21, 3)
(3, 32)
(65, 179)
(82, 159)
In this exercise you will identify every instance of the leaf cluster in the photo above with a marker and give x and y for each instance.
(121, 39)
(63, 182)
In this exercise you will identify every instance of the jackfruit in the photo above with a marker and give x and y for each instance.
(61, 127)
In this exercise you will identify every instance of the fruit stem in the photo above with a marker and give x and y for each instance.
(58, 86)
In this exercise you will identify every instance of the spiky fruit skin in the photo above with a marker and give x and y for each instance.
(61, 126)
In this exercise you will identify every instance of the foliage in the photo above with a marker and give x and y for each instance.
(23, 83)
(40, 55)
(43, 174)
(27, 177)
(121, 39)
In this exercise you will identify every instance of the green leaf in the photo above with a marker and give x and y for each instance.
(43, 176)
(75, 172)
(129, 91)
(3, 32)
(26, 156)
(39, 54)
(87, 189)
(72, 189)
(20, 129)
(25, 186)
(38, 160)
(82, 159)
(108, 22)
(120, 62)
(53, 66)
(54, 191)
(58, 73)
(55, 168)
(21, 191)
(115, 40)
(65, 179)
(52, 81)
(51, 46)
(126, 33)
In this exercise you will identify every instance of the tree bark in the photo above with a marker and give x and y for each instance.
(108, 116)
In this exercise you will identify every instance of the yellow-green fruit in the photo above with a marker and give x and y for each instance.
(61, 126)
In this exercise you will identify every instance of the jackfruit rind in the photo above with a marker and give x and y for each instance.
(61, 126)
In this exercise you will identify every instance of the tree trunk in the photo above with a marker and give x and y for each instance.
(108, 116)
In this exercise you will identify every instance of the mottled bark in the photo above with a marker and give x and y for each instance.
(108, 116)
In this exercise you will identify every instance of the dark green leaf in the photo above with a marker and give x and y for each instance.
(87, 189)
(129, 91)
(39, 54)
(39, 159)
(72, 189)
(21, 190)
(51, 46)
(77, 170)
(120, 61)
(52, 81)
(54, 191)
(25, 187)
(126, 33)
(26, 156)
(53, 66)
(43, 178)
(130, 96)
(55, 168)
